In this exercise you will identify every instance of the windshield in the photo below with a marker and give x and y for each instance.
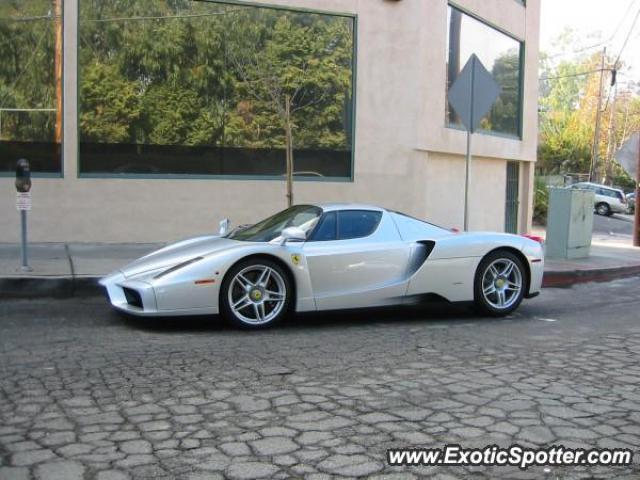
(304, 217)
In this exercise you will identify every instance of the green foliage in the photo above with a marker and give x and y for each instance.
(110, 105)
(212, 74)
(540, 202)
(26, 69)
(568, 105)
(565, 145)
(506, 111)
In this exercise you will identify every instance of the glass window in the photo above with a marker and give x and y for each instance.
(502, 57)
(357, 223)
(327, 228)
(31, 84)
(202, 88)
(410, 227)
(304, 217)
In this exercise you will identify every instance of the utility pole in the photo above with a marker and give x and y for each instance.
(611, 143)
(636, 225)
(57, 18)
(596, 137)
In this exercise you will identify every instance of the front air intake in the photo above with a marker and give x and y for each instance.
(133, 297)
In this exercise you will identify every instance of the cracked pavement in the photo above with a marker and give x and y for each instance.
(86, 393)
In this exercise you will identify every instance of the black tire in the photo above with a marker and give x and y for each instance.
(482, 303)
(603, 209)
(235, 317)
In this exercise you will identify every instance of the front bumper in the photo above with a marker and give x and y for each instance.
(139, 298)
(135, 297)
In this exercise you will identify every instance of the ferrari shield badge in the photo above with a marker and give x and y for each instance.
(296, 258)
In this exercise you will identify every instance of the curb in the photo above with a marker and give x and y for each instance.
(83, 287)
(49, 287)
(565, 279)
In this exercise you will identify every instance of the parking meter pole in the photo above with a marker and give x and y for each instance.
(25, 257)
(466, 183)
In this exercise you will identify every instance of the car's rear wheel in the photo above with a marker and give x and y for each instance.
(603, 209)
(499, 283)
(256, 293)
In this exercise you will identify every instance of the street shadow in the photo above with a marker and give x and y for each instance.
(433, 313)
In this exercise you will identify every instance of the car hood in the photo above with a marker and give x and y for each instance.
(179, 252)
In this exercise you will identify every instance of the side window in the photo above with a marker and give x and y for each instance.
(327, 229)
(357, 223)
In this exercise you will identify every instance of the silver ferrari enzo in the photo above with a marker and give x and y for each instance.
(328, 257)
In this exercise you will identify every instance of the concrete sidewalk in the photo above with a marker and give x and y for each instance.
(72, 269)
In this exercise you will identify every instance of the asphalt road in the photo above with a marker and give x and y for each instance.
(616, 225)
(86, 394)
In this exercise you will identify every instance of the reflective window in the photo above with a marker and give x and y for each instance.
(327, 228)
(209, 88)
(30, 90)
(304, 217)
(501, 56)
(357, 223)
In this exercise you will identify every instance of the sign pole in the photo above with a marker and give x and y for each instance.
(471, 96)
(466, 182)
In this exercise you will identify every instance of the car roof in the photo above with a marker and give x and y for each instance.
(332, 206)
(598, 185)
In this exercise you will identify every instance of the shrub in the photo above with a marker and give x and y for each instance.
(540, 202)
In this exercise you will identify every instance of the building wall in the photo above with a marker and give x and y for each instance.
(405, 158)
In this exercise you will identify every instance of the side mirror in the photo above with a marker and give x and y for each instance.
(224, 226)
(293, 233)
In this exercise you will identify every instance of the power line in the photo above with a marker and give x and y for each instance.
(626, 40)
(155, 17)
(578, 74)
(604, 42)
(48, 16)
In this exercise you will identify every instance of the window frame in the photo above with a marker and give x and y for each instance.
(60, 174)
(337, 224)
(521, 69)
(179, 176)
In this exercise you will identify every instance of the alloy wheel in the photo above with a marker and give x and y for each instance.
(257, 294)
(502, 283)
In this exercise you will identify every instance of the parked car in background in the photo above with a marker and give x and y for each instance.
(607, 200)
(631, 202)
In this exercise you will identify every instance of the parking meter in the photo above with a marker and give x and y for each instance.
(23, 176)
(23, 203)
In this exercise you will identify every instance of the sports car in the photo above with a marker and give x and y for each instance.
(328, 257)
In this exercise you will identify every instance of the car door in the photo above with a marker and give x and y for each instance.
(356, 258)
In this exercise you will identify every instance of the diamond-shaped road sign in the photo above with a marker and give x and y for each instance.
(473, 93)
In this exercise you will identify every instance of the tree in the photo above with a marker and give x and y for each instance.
(293, 67)
(568, 108)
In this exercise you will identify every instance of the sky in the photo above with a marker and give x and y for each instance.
(594, 21)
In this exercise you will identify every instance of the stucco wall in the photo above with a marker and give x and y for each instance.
(405, 158)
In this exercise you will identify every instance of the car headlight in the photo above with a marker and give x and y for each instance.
(177, 267)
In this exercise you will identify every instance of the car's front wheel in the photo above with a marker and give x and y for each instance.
(499, 284)
(256, 293)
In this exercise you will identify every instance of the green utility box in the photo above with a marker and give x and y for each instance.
(569, 223)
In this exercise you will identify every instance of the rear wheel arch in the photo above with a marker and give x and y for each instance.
(521, 256)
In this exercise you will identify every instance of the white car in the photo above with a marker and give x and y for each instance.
(328, 257)
(607, 200)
